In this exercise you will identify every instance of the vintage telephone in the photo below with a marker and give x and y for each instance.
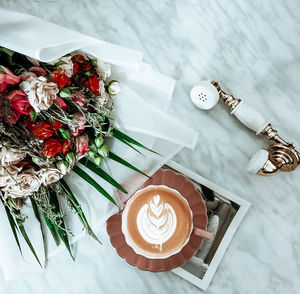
(280, 156)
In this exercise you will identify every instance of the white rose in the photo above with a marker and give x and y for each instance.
(7, 175)
(41, 94)
(26, 183)
(8, 157)
(49, 175)
(103, 69)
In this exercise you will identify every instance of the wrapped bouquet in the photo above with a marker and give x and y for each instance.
(73, 111)
(53, 115)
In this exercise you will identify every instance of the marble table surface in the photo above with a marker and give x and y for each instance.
(253, 48)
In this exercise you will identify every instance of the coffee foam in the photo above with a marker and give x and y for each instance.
(157, 222)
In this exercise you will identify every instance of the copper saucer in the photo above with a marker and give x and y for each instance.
(186, 188)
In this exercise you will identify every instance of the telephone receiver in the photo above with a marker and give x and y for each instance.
(279, 156)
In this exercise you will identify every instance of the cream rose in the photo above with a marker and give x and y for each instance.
(67, 66)
(49, 175)
(8, 157)
(41, 94)
(26, 183)
(7, 175)
(103, 69)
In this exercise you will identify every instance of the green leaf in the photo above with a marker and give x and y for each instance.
(61, 229)
(65, 93)
(65, 133)
(13, 226)
(92, 182)
(120, 134)
(37, 216)
(100, 172)
(125, 163)
(33, 115)
(2, 69)
(52, 229)
(26, 238)
(115, 135)
(8, 53)
(78, 209)
(61, 62)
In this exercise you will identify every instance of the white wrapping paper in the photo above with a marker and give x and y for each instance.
(140, 110)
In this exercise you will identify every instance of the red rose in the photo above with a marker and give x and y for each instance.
(56, 125)
(60, 78)
(93, 84)
(78, 58)
(75, 68)
(52, 147)
(7, 78)
(19, 102)
(42, 130)
(81, 63)
(82, 144)
(60, 103)
(66, 145)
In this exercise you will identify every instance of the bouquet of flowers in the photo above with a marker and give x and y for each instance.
(52, 116)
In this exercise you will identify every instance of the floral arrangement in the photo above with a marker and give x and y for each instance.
(52, 116)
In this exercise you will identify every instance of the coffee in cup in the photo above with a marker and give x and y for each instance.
(157, 222)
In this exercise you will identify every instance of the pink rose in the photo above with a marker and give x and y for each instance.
(81, 122)
(79, 98)
(82, 144)
(39, 71)
(7, 78)
(19, 102)
(60, 103)
(24, 76)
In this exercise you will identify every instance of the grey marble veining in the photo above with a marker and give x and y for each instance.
(253, 48)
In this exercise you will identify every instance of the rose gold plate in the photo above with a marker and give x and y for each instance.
(178, 182)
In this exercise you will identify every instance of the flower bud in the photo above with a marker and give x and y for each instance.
(63, 166)
(93, 147)
(98, 161)
(99, 141)
(103, 151)
(114, 87)
(91, 155)
(70, 157)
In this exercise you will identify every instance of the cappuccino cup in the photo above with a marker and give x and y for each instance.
(157, 222)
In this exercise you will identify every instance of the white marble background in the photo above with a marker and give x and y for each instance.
(252, 47)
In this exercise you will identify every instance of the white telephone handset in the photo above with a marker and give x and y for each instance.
(280, 156)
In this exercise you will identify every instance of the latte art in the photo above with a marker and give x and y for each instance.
(156, 221)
